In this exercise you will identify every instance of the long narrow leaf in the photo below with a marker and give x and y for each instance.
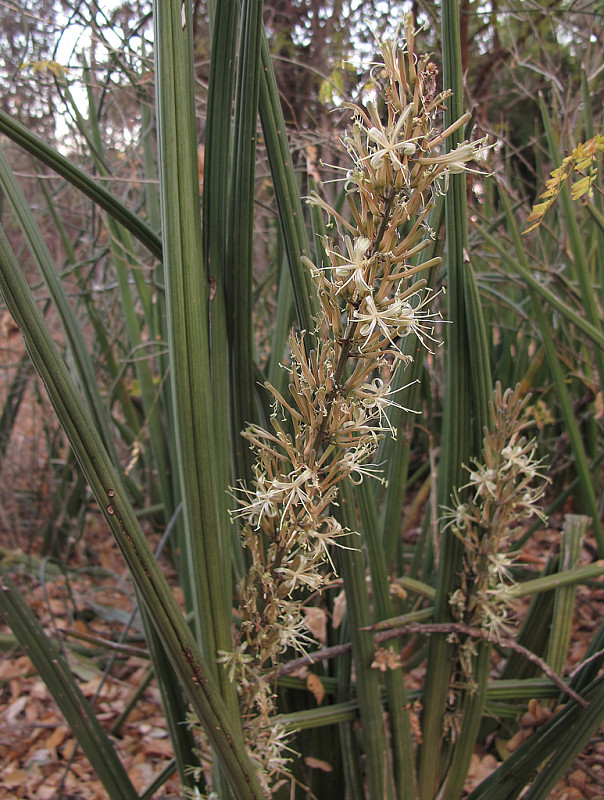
(596, 335)
(352, 566)
(573, 530)
(572, 427)
(395, 453)
(287, 192)
(41, 253)
(598, 205)
(238, 275)
(399, 722)
(468, 387)
(582, 273)
(189, 665)
(127, 265)
(547, 754)
(14, 397)
(216, 199)
(188, 298)
(64, 167)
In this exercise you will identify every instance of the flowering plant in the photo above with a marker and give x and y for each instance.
(506, 489)
(340, 386)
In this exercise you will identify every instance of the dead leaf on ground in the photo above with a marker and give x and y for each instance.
(314, 685)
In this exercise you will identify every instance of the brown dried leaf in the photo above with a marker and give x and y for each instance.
(314, 685)
(15, 779)
(480, 769)
(514, 743)
(15, 708)
(316, 622)
(339, 609)
(57, 737)
(16, 668)
(316, 763)
(8, 326)
(398, 591)
(386, 659)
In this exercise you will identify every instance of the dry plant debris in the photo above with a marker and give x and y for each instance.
(39, 758)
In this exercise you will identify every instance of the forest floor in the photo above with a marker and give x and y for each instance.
(87, 608)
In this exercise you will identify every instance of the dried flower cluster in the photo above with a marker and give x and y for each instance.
(583, 160)
(340, 390)
(506, 491)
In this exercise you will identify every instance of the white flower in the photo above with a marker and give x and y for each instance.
(376, 397)
(456, 160)
(372, 317)
(413, 319)
(263, 501)
(388, 143)
(396, 318)
(235, 662)
(353, 269)
(484, 482)
(300, 572)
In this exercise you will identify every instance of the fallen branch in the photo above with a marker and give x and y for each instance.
(426, 629)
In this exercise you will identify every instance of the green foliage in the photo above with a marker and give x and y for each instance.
(323, 568)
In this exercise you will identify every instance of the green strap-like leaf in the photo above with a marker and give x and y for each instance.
(398, 719)
(548, 753)
(467, 393)
(188, 299)
(287, 192)
(63, 166)
(48, 270)
(189, 665)
(558, 377)
(573, 530)
(350, 560)
(215, 235)
(239, 263)
(596, 335)
(582, 273)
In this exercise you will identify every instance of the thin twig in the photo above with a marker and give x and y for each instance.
(429, 628)
(325, 654)
(116, 647)
(485, 636)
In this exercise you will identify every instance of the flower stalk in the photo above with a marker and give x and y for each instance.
(340, 388)
(505, 489)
